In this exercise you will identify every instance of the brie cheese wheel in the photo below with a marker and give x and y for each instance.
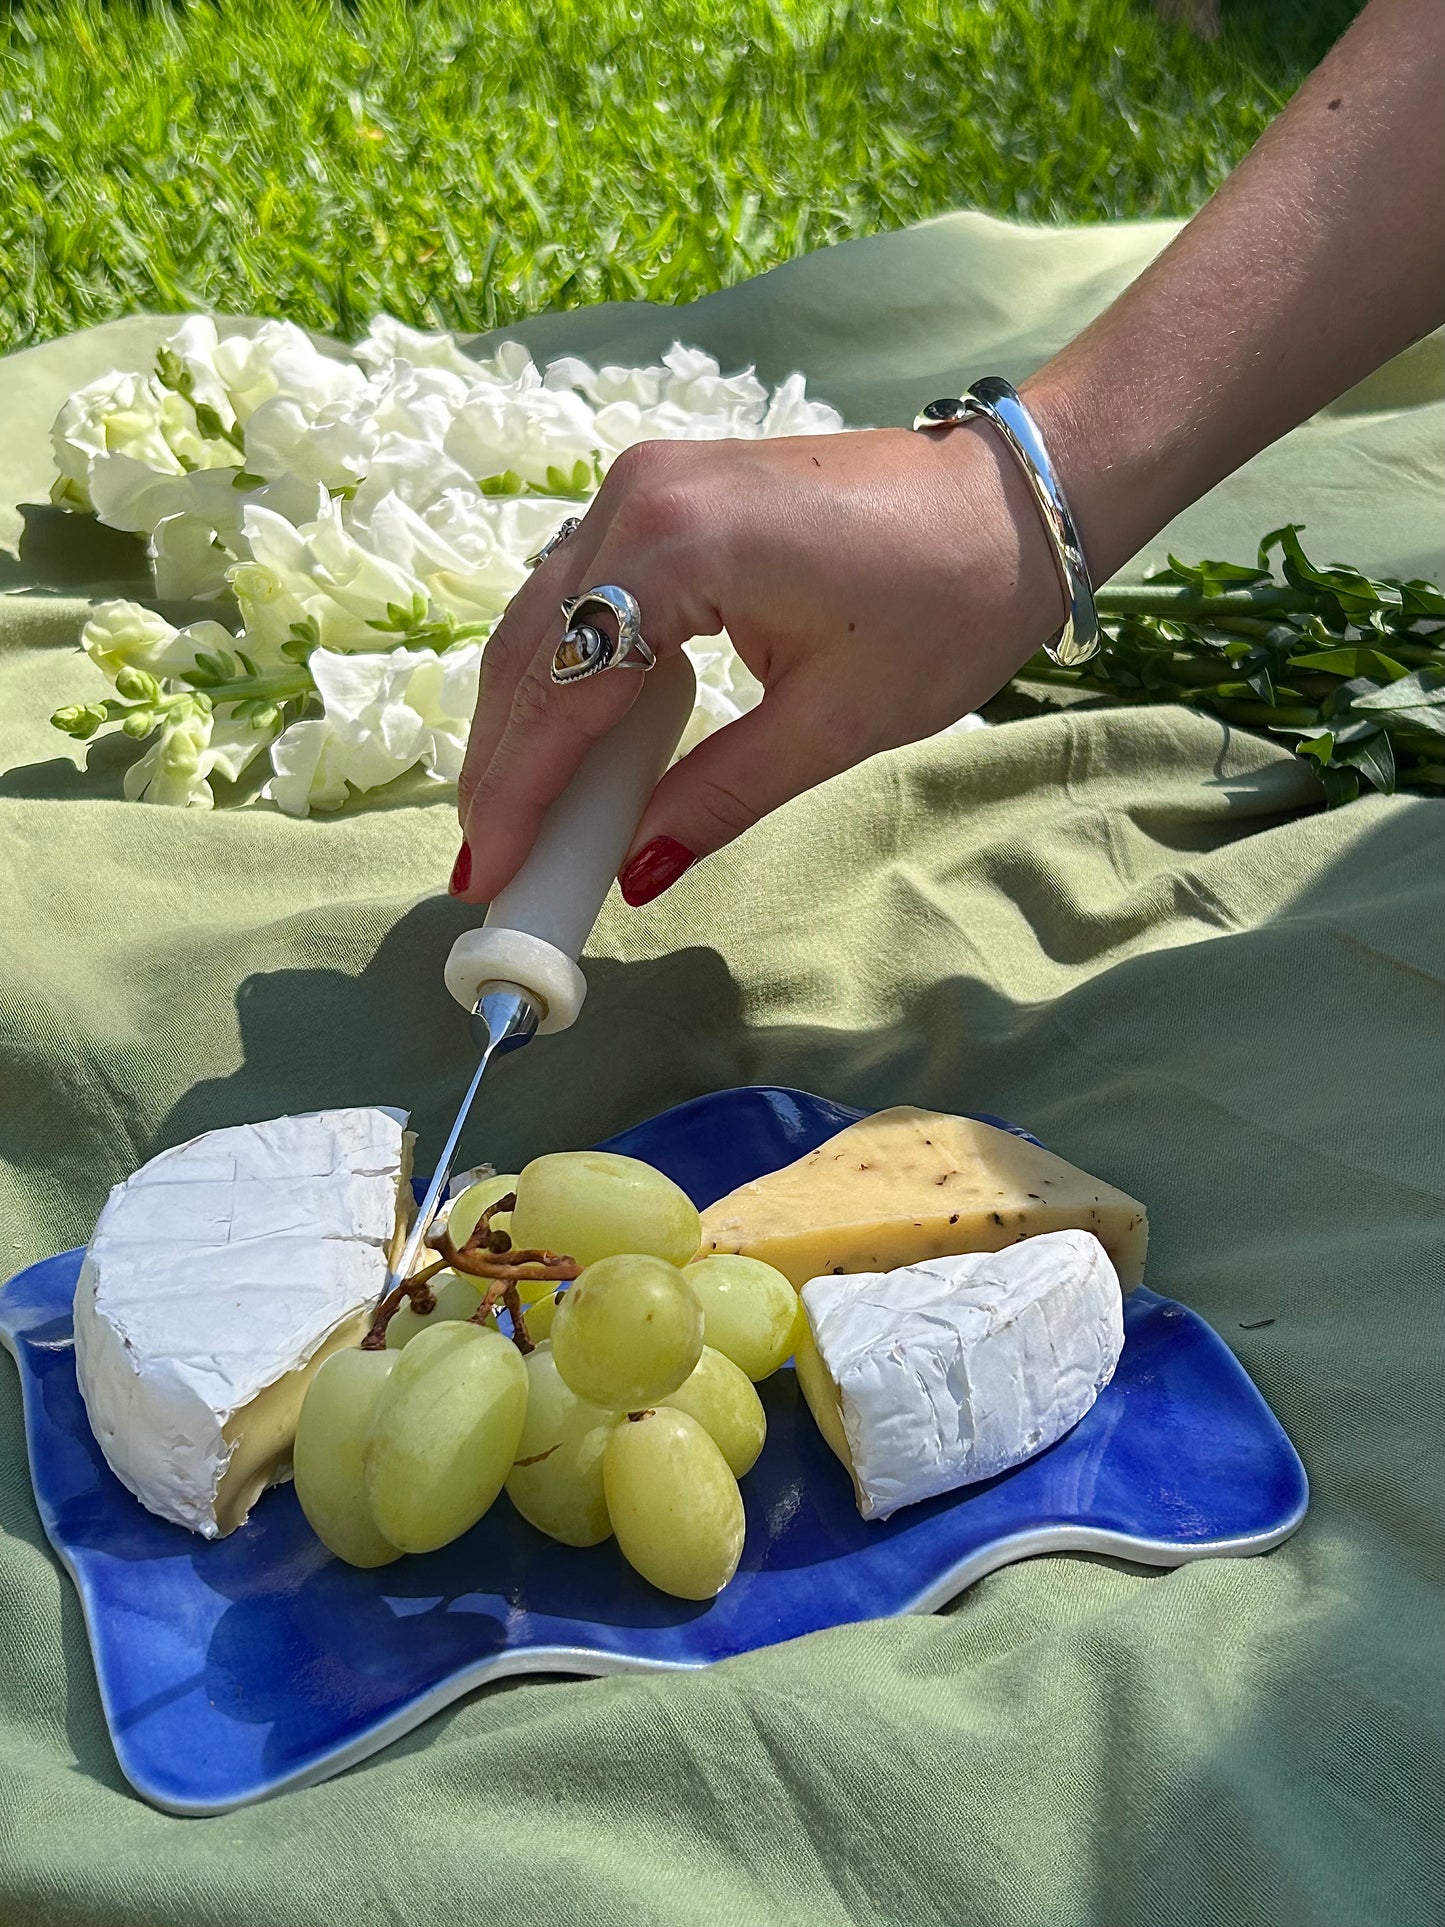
(219, 1277)
(943, 1373)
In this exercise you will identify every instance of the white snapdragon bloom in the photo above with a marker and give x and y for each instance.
(281, 359)
(417, 403)
(523, 427)
(332, 446)
(126, 635)
(385, 714)
(194, 346)
(188, 560)
(466, 549)
(688, 397)
(388, 339)
(416, 472)
(194, 544)
(341, 584)
(791, 413)
(191, 746)
(726, 688)
(117, 414)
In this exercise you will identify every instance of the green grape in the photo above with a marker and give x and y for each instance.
(751, 1311)
(627, 1332)
(444, 1434)
(331, 1433)
(556, 1481)
(456, 1296)
(594, 1204)
(673, 1503)
(722, 1400)
(540, 1315)
(467, 1209)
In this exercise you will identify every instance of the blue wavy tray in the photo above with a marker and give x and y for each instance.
(229, 1671)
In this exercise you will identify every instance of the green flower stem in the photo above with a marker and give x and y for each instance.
(1165, 599)
(282, 686)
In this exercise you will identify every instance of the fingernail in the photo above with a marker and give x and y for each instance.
(655, 868)
(461, 870)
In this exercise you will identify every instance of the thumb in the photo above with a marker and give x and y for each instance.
(728, 783)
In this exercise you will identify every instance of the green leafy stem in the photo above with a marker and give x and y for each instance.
(1349, 667)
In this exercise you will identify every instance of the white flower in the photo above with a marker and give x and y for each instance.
(280, 359)
(127, 635)
(416, 472)
(201, 533)
(190, 746)
(194, 346)
(308, 760)
(342, 586)
(388, 339)
(466, 550)
(418, 403)
(332, 446)
(187, 560)
(726, 688)
(385, 714)
(527, 429)
(116, 414)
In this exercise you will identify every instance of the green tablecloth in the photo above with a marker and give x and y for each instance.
(1133, 931)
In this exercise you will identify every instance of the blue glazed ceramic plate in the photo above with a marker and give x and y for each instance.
(232, 1670)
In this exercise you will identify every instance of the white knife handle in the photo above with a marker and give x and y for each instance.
(538, 926)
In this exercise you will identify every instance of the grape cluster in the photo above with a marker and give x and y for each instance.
(633, 1414)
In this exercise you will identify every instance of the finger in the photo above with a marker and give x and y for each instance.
(786, 745)
(514, 642)
(550, 728)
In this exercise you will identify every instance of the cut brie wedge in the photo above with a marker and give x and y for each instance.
(907, 1185)
(219, 1277)
(944, 1373)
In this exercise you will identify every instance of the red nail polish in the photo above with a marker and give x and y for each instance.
(461, 870)
(655, 868)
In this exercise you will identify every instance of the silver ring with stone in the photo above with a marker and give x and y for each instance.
(586, 649)
(569, 527)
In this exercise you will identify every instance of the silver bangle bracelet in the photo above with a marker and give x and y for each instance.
(999, 403)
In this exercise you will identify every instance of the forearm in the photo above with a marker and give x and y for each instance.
(1317, 260)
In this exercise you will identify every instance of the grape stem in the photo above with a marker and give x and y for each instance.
(486, 1254)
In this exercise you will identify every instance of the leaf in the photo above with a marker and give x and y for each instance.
(1353, 593)
(1421, 598)
(243, 478)
(1210, 576)
(509, 482)
(1417, 699)
(1374, 757)
(1340, 785)
(1351, 660)
(1321, 747)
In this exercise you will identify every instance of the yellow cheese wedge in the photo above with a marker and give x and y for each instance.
(905, 1185)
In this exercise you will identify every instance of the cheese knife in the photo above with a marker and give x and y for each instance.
(518, 974)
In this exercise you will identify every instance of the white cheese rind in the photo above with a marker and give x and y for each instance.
(215, 1270)
(952, 1371)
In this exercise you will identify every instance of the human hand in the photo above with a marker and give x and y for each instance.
(879, 584)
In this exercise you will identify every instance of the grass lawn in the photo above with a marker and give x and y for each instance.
(461, 165)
